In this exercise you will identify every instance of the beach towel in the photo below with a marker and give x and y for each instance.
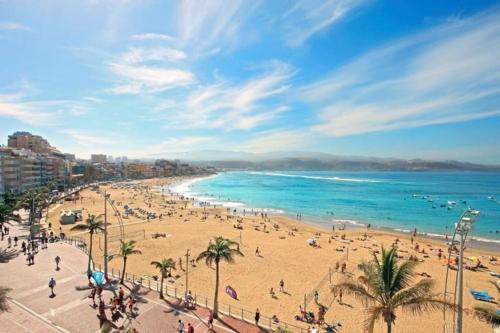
(231, 292)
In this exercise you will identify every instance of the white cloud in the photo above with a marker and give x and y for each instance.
(146, 79)
(276, 140)
(40, 112)
(308, 17)
(447, 74)
(235, 106)
(137, 75)
(14, 26)
(152, 36)
(138, 55)
(205, 25)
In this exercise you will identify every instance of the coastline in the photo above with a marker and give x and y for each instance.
(184, 183)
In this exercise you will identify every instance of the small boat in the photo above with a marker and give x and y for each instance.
(464, 202)
(414, 195)
(491, 197)
(452, 203)
(442, 205)
(433, 206)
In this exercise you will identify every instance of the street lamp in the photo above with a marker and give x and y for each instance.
(463, 227)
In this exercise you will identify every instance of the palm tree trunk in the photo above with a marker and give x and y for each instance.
(216, 296)
(389, 327)
(90, 253)
(161, 287)
(123, 271)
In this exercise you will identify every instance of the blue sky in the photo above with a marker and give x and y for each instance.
(409, 79)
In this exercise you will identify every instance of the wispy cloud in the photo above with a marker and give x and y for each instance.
(446, 74)
(14, 26)
(40, 112)
(276, 140)
(152, 36)
(232, 105)
(204, 25)
(149, 70)
(309, 17)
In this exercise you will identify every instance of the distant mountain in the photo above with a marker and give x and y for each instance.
(308, 161)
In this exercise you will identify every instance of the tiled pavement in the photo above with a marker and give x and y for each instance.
(32, 310)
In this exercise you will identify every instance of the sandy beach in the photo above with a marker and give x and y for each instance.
(284, 254)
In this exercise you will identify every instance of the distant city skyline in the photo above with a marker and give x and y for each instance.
(147, 79)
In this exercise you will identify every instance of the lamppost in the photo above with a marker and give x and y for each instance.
(463, 227)
(106, 236)
(187, 280)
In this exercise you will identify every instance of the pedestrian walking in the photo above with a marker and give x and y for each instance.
(57, 260)
(340, 296)
(15, 240)
(52, 284)
(210, 319)
(257, 317)
(316, 296)
(282, 285)
(190, 328)
(180, 327)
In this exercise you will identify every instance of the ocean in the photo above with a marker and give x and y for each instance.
(432, 202)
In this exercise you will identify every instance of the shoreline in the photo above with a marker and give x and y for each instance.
(478, 243)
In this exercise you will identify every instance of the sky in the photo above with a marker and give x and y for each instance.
(146, 78)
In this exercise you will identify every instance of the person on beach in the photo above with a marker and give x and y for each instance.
(57, 260)
(257, 252)
(52, 284)
(316, 296)
(282, 285)
(15, 240)
(271, 292)
(9, 241)
(340, 296)
(257, 317)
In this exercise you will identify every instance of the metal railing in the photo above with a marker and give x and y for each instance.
(232, 311)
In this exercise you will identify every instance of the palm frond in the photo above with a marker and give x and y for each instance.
(374, 312)
(487, 313)
(357, 290)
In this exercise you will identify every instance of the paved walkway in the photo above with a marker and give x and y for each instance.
(32, 310)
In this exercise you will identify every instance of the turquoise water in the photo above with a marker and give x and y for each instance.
(397, 200)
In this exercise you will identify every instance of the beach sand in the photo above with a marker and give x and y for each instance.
(283, 256)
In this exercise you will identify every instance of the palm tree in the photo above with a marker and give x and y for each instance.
(92, 225)
(487, 312)
(32, 200)
(127, 248)
(221, 249)
(7, 214)
(387, 285)
(3, 299)
(165, 266)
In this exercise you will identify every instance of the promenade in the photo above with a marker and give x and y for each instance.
(32, 310)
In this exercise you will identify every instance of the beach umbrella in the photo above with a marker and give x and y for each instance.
(98, 277)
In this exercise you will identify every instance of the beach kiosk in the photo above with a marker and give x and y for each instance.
(68, 217)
